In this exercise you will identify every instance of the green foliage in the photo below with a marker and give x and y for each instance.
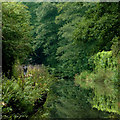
(103, 81)
(19, 96)
(46, 34)
(115, 46)
(98, 27)
(71, 38)
(104, 60)
(32, 6)
(70, 56)
(16, 34)
(78, 31)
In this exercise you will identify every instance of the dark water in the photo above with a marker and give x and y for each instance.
(65, 100)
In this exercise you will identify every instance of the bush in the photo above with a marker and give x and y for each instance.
(21, 94)
(103, 81)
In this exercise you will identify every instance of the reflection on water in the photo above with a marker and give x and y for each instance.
(65, 100)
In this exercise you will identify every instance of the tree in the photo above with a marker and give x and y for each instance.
(71, 56)
(16, 34)
(46, 39)
(98, 27)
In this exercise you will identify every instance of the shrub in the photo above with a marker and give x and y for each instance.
(103, 81)
(21, 94)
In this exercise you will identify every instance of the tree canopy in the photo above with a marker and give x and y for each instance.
(16, 33)
(78, 42)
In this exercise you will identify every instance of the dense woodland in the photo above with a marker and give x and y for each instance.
(72, 51)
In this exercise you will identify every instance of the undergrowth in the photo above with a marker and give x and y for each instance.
(20, 93)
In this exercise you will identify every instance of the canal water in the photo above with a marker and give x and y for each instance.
(65, 100)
